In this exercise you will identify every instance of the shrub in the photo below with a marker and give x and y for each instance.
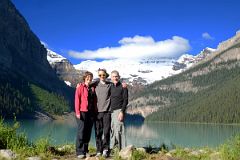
(231, 149)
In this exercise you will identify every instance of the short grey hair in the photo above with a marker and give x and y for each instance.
(116, 72)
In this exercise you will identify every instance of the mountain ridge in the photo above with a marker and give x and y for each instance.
(147, 70)
(25, 74)
(182, 97)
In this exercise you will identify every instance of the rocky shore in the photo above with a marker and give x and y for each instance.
(128, 153)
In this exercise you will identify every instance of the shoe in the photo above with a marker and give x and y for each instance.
(98, 154)
(105, 153)
(88, 155)
(81, 156)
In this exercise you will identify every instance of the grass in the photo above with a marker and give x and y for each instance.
(193, 154)
(18, 143)
(231, 149)
(138, 155)
(9, 138)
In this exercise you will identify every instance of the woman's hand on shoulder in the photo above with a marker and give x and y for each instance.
(124, 85)
(78, 85)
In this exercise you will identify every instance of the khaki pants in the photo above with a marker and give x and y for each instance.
(118, 135)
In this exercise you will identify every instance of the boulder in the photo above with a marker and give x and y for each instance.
(33, 158)
(215, 156)
(195, 153)
(166, 157)
(126, 152)
(168, 154)
(7, 154)
(172, 151)
(141, 149)
(64, 148)
(187, 150)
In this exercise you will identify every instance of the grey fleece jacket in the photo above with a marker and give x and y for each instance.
(103, 96)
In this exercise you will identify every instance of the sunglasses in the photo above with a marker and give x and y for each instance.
(102, 75)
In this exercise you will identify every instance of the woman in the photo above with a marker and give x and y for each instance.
(85, 109)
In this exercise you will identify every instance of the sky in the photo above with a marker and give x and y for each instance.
(110, 29)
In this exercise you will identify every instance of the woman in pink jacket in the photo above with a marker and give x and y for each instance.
(85, 109)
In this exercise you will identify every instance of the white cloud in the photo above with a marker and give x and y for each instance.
(137, 47)
(207, 36)
(137, 40)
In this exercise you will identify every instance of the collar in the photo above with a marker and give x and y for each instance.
(118, 83)
(102, 82)
(84, 85)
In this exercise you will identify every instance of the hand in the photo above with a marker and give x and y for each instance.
(120, 116)
(78, 116)
(78, 85)
(124, 84)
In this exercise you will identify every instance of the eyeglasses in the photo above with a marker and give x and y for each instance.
(102, 75)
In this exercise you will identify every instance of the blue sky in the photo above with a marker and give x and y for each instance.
(106, 29)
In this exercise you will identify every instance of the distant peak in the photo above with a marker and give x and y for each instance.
(210, 49)
(54, 57)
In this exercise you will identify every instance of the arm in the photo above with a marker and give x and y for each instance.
(125, 99)
(94, 84)
(124, 106)
(77, 102)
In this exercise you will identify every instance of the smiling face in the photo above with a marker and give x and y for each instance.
(102, 75)
(88, 80)
(115, 77)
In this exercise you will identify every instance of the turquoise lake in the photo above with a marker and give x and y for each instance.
(138, 134)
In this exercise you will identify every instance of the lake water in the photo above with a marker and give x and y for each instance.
(139, 134)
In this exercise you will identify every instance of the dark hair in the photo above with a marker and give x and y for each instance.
(104, 70)
(87, 73)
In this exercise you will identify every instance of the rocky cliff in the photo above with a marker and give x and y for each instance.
(21, 51)
(23, 60)
(64, 69)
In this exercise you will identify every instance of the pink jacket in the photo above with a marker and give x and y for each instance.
(81, 99)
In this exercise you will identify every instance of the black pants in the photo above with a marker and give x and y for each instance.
(103, 127)
(85, 124)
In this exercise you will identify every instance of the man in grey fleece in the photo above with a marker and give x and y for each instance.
(103, 118)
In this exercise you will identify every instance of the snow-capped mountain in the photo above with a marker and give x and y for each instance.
(186, 60)
(144, 71)
(54, 57)
(64, 68)
(140, 71)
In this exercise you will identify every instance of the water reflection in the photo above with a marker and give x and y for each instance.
(181, 134)
(139, 134)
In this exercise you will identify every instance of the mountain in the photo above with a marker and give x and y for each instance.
(186, 61)
(27, 79)
(64, 69)
(147, 70)
(139, 71)
(209, 91)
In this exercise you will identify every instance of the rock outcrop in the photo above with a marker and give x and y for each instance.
(64, 69)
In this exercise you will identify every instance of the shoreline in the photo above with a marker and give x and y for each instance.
(70, 116)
